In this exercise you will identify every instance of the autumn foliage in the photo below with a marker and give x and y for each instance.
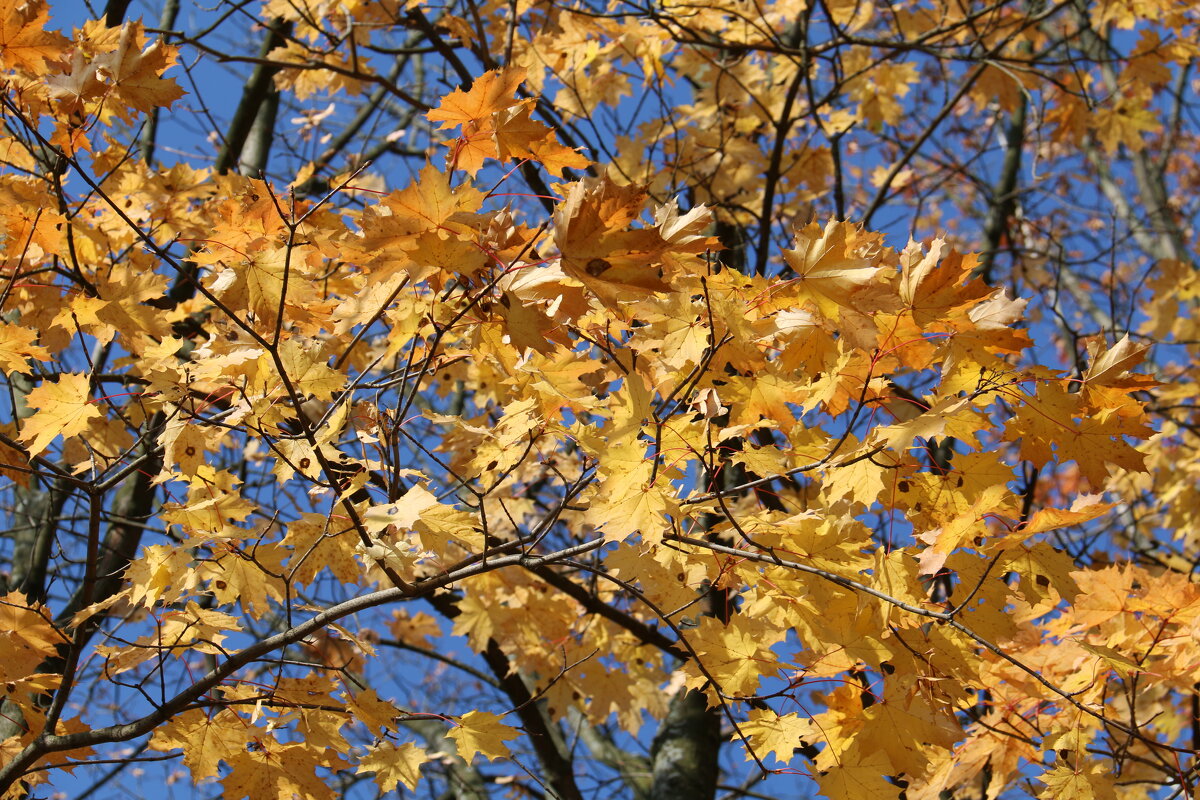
(755, 377)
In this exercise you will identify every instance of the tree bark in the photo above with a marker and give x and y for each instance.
(684, 751)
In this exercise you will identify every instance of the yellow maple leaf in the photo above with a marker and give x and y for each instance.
(307, 79)
(14, 463)
(315, 547)
(780, 735)
(205, 740)
(1122, 664)
(831, 266)
(518, 136)
(1115, 362)
(161, 572)
(64, 409)
(255, 281)
(936, 283)
(628, 502)
(960, 529)
(921, 727)
(306, 367)
(26, 635)
(1126, 121)
(481, 732)
(860, 480)
(591, 229)
(735, 653)
(1056, 418)
(859, 776)
(252, 583)
(1091, 781)
(16, 346)
(371, 710)
(394, 765)
(404, 513)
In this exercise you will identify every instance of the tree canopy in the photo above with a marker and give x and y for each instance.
(558, 399)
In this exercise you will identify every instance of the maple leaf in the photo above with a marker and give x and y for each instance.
(252, 583)
(64, 408)
(932, 286)
(949, 416)
(255, 773)
(779, 735)
(1108, 383)
(1147, 64)
(429, 204)
(1127, 121)
(394, 765)
(763, 396)
(374, 712)
(1103, 594)
(491, 92)
(971, 350)
(482, 733)
(591, 229)
(495, 125)
(1118, 662)
(1115, 362)
(832, 265)
(306, 368)
(879, 90)
(160, 572)
(315, 545)
(14, 463)
(404, 513)
(998, 312)
(135, 74)
(1085, 507)
(922, 728)
(897, 576)
(255, 282)
(737, 653)
(671, 579)
(205, 739)
(24, 44)
(1090, 781)
(308, 79)
(16, 346)
(1041, 568)
(1055, 420)
(27, 635)
(628, 503)
(73, 89)
(962, 528)
(861, 481)
(859, 776)
(519, 136)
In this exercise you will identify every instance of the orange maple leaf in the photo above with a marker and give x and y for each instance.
(24, 44)
(491, 92)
